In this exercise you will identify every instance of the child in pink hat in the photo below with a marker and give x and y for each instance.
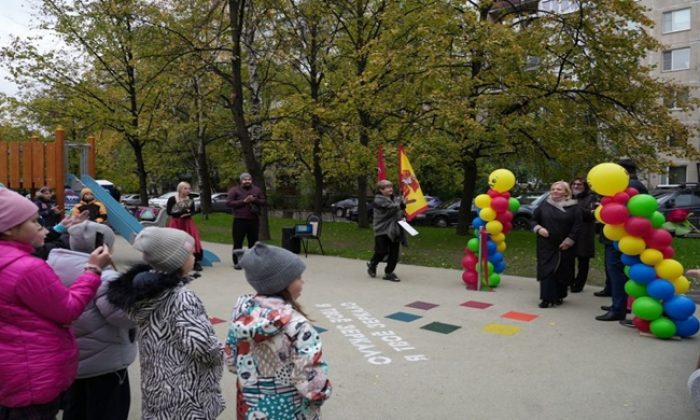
(38, 353)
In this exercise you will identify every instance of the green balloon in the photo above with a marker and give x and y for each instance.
(627, 271)
(490, 265)
(663, 327)
(647, 308)
(494, 279)
(657, 219)
(473, 245)
(635, 289)
(642, 205)
(513, 204)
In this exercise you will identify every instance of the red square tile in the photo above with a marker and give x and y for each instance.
(214, 320)
(519, 316)
(476, 304)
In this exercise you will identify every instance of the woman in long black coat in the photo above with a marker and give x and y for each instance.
(585, 245)
(557, 223)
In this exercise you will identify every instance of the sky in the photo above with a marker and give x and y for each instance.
(15, 19)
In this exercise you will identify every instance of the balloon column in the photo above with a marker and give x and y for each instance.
(656, 282)
(483, 261)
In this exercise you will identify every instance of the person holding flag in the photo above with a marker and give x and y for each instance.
(388, 211)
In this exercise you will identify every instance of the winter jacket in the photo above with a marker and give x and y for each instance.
(276, 354)
(106, 337)
(387, 214)
(38, 353)
(181, 359)
(98, 212)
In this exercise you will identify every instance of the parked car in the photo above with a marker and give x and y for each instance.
(432, 201)
(162, 201)
(354, 215)
(444, 215)
(341, 208)
(521, 218)
(685, 197)
(218, 203)
(131, 199)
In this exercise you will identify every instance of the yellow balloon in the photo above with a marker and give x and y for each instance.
(488, 214)
(501, 180)
(669, 269)
(494, 227)
(632, 245)
(482, 201)
(651, 256)
(500, 237)
(501, 247)
(608, 179)
(614, 232)
(596, 213)
(681, 284)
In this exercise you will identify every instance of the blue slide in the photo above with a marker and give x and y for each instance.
(123, 222)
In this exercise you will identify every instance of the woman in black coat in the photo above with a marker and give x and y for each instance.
(585, 245)
(557, 223)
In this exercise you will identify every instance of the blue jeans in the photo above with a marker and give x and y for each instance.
(614, 268)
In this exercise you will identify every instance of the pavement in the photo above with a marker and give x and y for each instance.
(499, 357)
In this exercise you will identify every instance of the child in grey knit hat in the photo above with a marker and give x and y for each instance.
(271, 346)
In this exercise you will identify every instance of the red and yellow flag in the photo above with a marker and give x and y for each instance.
(410, 188)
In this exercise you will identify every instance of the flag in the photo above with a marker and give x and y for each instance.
(410, 188)
(381, 169)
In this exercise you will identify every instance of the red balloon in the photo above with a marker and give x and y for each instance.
(606, 200)
(499, 204)
(505, 194)
(668, 252)
(505, 217)
(493, 193)
(631, 191)
(641, 324)
(621, 197)
(658, 239)
(638, 226)
(507, 227)
(469, 262)
(614, 214)
(470, 278)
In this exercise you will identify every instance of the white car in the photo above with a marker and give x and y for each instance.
(162, 200)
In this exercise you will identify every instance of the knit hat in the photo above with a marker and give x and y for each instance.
(82, 236)
(84, 191)
(165, 249)
(270, 269)
(244, 175)
(14, 209)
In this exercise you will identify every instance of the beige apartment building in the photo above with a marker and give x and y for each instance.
(677, 27)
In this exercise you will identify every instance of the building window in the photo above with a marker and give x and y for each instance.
(678, 59)
(677, 99)
(559, 6)
(677, 20)
(676, 174)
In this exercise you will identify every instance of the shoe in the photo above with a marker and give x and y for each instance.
(627, 323)
(237, 267)
(602, 293)
(608, 308)
(391, 277)
(559, 302)
(545, 304)
(197, 267)
(611, 316)
(372, 271)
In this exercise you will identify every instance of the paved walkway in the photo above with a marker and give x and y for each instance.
(561, 364)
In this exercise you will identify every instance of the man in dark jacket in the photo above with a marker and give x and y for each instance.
(245, 201)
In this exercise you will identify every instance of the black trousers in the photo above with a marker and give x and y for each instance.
(102, 397)
(46, 411)
(243, 228)
(582, 275)
(383, 247)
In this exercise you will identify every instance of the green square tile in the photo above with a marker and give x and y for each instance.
(441, 328)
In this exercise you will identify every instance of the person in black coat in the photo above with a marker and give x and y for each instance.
(585, 245)
(557, 224)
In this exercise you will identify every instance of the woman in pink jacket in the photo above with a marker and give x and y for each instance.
(38, 353)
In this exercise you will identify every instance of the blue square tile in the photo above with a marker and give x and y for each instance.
(404, 316)
(319, 329)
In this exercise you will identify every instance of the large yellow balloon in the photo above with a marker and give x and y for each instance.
(614, 232)
(482, 201)
(681, 284)
(500, 237)
(494, 227)
(488, 214)
(501, 180)
(608, 179)
(632, 245)
(501, 247)
(651, 256)
(596, 213)
(669, 269)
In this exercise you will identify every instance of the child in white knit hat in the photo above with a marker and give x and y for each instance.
(271, 346)
(181, 359)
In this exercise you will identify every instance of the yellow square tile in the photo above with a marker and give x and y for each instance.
(501, 329)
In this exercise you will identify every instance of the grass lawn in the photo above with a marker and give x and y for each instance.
(433, 247)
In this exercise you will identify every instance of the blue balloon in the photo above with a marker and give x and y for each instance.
(491, 247)
(478, 222)
(499, 267)
(661, 289)
(496, 257)
(630, 259)
(642, 273)
(687, 328)
(679, 307)
(616, 245)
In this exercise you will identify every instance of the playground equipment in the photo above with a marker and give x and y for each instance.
(31, 165)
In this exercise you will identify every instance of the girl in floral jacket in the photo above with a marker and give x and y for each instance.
(271, 346)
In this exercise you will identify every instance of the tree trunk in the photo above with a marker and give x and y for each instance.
(362, 219)
(140, 170)
(201, 155)
(469, 169)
